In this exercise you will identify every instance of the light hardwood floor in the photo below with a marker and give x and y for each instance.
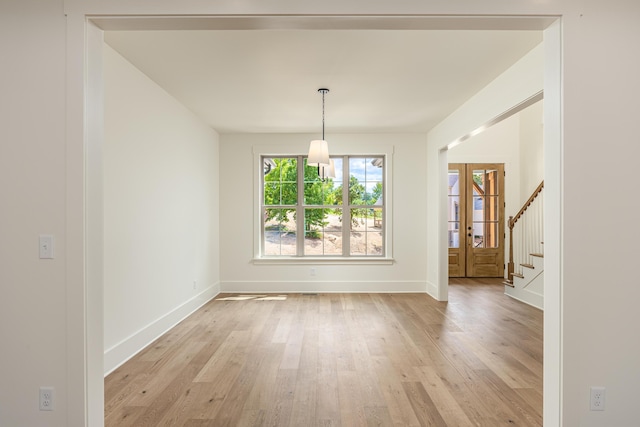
(340, 360)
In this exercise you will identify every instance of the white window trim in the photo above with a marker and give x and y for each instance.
(372, 150)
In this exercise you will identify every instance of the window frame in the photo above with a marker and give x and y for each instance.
(384, 152)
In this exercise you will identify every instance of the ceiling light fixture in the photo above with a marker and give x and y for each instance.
(319, 150)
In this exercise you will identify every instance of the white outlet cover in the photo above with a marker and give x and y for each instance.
(46, 398)
(597, 398)
(46, 246)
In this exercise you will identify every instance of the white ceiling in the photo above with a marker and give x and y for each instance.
(266, 80)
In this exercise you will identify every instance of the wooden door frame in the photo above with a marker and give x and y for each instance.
(462, 259)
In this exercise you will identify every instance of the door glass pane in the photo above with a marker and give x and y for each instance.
(486, 203)
(454, 209)
(478, 182)
(454, 222)
(454, 234)
(491, 235)
(478, 208)
(491, 182)
(491, 208)
(454, 183)
(478, 235)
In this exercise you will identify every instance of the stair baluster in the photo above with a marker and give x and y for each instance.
(530, 236)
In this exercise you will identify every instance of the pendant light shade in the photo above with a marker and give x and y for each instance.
(328, 171)
(318, 153)
(319, 149)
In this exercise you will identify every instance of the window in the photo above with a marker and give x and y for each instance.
(305, 216)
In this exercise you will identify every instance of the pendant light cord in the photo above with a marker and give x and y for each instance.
(322, 177)
(323, 92)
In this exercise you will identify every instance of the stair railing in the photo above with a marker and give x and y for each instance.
(528, 234)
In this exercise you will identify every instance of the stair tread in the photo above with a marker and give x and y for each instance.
(508, 283)
(518, 275)
(527, 265)
(538, 255)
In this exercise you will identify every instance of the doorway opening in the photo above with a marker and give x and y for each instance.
(94, 311)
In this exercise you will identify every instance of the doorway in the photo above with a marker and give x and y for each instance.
(475, 231)
(90, 309)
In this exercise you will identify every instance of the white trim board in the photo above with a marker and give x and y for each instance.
(279, 286)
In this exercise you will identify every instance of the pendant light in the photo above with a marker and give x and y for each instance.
(319, 150)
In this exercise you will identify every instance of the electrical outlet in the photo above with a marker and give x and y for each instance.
(597, 398)
(312, 271)
(46, 398)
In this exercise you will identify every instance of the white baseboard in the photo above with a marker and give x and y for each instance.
(279, 286)
(433, 290)
(129, 347)
(530, 293)
(535, 301)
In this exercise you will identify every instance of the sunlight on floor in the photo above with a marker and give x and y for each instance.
(254, 297)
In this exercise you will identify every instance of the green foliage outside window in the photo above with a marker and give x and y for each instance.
(281, 188)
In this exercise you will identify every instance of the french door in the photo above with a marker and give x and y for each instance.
(476, 220)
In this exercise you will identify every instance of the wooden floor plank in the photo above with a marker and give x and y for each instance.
(340, 360)
(350, 398)
(423, 407)
(448, 407)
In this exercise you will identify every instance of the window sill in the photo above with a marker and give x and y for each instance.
(323, 261)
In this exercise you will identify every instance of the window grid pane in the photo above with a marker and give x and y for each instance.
(323, 232)
(279, 232)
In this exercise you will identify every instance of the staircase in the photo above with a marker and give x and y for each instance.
(526, 282)
(528, 286)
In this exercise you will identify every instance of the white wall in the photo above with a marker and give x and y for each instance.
(600, 294)
(160, 211)
(42, 190)
(517, 142)
(531, 150)
(237, 203)
(33, 309)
